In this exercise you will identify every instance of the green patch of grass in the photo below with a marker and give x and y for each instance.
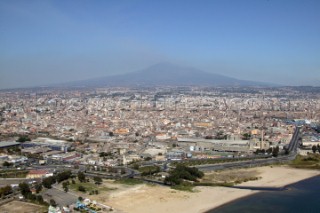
(13, 174)
(129, 181)
(183, 187)
(311, 161)
(149, 170)
(104, 188)
(88, 186)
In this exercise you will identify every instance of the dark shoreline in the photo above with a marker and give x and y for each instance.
(259, 192)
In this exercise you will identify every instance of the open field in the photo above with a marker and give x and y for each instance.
(311, 161)
(91, 186)
(234, 176)
(22, 207)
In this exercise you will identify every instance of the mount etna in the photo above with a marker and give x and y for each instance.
(166, 74)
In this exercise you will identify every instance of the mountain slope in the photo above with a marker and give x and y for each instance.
(163, 74)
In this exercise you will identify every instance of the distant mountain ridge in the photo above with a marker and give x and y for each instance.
(166, 74)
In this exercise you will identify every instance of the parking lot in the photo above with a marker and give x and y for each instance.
(62, 198)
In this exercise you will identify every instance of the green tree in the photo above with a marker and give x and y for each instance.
(81, 177)
(65, 186)
(53, 202)
(246, 136)
(66, 189)
(81, 189)
(23, 138)
(38, 187)
(65, 175)
(148, 158)
(149, 170)
(39, 199)
(24, 189)
(47, 182)
(97, 180)
(275, 151)
(5, 190)
(181, 172)
(7, 164)
(31, 197)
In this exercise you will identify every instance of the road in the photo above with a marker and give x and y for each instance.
(292, 148)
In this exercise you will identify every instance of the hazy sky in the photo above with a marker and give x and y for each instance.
(43, 42)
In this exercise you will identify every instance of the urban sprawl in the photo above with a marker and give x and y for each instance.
(116, 132)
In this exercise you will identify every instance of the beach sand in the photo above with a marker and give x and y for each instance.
(160, 199)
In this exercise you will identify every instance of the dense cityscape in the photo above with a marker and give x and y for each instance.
(163, 106)
(140, 133)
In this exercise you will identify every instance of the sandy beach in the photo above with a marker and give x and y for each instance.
(160, 199)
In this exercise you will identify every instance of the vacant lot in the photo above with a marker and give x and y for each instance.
(311, 161)
(231, 176)
(22, 207)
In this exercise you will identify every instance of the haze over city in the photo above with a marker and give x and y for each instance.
(138, 106)
(49, 42)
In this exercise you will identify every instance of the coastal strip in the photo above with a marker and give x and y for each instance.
(161, 199)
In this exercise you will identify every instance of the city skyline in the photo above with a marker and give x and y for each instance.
(48, 42)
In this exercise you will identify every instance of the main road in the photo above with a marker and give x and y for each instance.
(292, 152)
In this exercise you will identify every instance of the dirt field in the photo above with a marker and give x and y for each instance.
(231, 176)
(21, 207)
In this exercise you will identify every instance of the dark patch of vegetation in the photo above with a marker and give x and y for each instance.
(129, 181)
(81, 177)
(210, 161)
(97, 180)
(148, 158)
(149, 170)
(53, 203)
(65, 186)
(81, 189)
(220, 136)
(246, 136)
(7, 164)
(275, 151)
(311, 161)
(48, 181)
(185, 186)
(23, 138)
(62, 176)
(5, 191)
(38, 187)
(13, 173)
(24, 189)
(105, 154)
(27, 194)
(183, 173)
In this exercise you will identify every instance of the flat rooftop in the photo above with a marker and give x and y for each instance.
(4, 144)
